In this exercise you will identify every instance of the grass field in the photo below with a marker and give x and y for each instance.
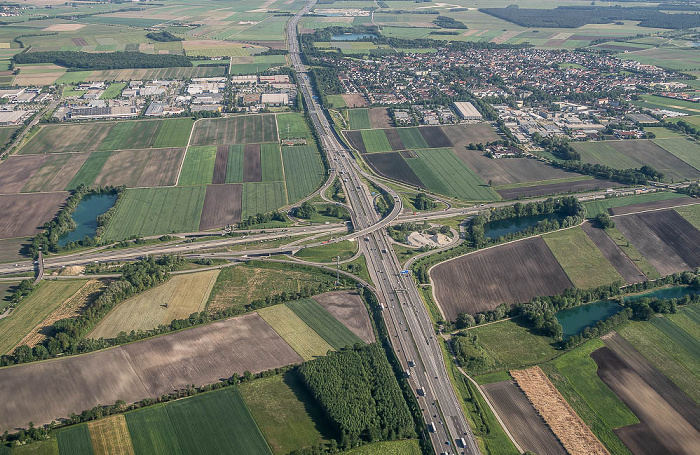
(5, 133)
(174, 132)
(685, 149)
(75, 440)
(336, 101)
(405, 447)
(574, 375)
(323, 323)
(153, 211)
(113, 91)
(522, 349)
(302, 338)
(198, 167)
(177, 298)
(303, 171)
(604, 153)
(271, 162)
(659, 102)
(632, 253)
(89, 170)
(582, 261)
(443, 172)
(690, 213)
(291, 125)
(327, 253)
(375, 141)
(594, 208)
(110, 436)
(47, 447)
(412, 138)
(262, 198)
(34, 309)
(152, 432)
(285, 412)
(359, 119)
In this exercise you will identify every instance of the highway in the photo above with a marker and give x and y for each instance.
(411, 329)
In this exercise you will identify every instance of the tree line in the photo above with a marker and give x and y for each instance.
(78, 60)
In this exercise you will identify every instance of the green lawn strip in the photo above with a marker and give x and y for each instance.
(582, 261)
(216, 422)
(632, 253)
(262, 197)
(75, 441)
(375, 141)
(198, 168)
(489, 378)
(604, 153)
(113, 91)
(155, 211)
(303, 171)
(578, 178)
(327, 253)
(323, 323)
(286, 412)
(412, 138)
(359, 119)
(291, 125)
(152, 432)
(690, 213)
(598, 206)
(404, 447)
(664, 354)
(89, 170)
(234, 168)
(271, 162)
(443, 172)
(174, 132)
(685, 149)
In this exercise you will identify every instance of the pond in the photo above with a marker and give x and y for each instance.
(352, 36)
(574, 320)
(496, 229)
(85, 217)
(675, 292)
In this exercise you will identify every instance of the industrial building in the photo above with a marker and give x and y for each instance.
(467, 111)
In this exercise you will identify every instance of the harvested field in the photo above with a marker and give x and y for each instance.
(302, 338)
(354, 100)
(434, 137)
(660, 406)
(509, 170)
(556, 188)
(355, 139)
(475, 133)
(510, 273)
(141, 168)
(23, 215)
(57, 173)
(16, 171)
(220, 165)
(252, 169)
(222, 206)
(148, 368)
(574, 435)
(392, 165)
(649, 206)
(379, 117)
(110, 436)
(10, 249)
(177, 298)
(348, 308)
(394, 139)
(242, 129)
(527, 427)
(624, 266)
(676, 232)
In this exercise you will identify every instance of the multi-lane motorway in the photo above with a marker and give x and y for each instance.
(411, 330)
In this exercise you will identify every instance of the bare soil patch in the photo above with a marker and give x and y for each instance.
(252, 169)
(635, 208)
(64, 28)
(23, 215)
(509, 273)
(79, 41)
(527, 427)
(676, 232)
(509, 170)
(355, 139)
(623, 264)
(61, 179)
(556, 188)
(43, 391)
(162, 167)
(434, 137)
(222, 205)
(10, 249)
(348, 308)
(473, 133)
(354, 100)
(574, 435)
(16, 171)
(220, 165)
(390, 164)
(394, 139)
(379, 117)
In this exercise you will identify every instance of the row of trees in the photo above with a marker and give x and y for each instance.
(261, 218)
(78, 60)
(638, 176)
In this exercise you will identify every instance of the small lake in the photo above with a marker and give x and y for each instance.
(675, 292)
(352, 36)
(574, 320)
(85, 217)
(496, 229)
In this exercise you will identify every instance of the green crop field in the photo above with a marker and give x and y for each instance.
(262, 198)
(632, 253)
(152, 432)
(323, 323)
(678, 335)
(5, 133)
(688, 319)
(443, 172)
(604, 153)
(242, 129)
(303, 171)
(174, 132)
(31, 311)
(75, 441)
(581, 259)
(574, 375)
(291, 125)
(234, 168)
(198, 167)
(271, 162)
(664, 133)
(113, 91)
(286, 412)
(596, 207)
(131, 135)
(685, 149)
(411, 138)
(336, 101)
(375, 141)
(359, 119)
(302, 338)
(690, 213)
(89, 170)
(154, 211)
(327, 253)
(405, 447)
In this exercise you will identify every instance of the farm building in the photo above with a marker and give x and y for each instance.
(467, 111)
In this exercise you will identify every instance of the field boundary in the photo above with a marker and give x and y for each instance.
(279, 147)
(187, 149)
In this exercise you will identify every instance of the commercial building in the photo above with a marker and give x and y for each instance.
(467, 111)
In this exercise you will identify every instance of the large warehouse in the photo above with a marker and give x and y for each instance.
(467, 111)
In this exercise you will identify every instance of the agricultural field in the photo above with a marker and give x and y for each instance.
(244, 129)
(546, 189)
(411, 138)
(510, 273)
(659, 102)
(359, 119)
(291, 125)
(684, 149)
(302, 338)
(348, 308)
(31, 311)
(403, 447)
(596, 207)
(16, 171)
(375, 141)
(140, 168)
(153, 211)
(142, 369)
(690, 213)
(198, 167)
(323, 323)
(222, 206)
(627, 269)
(6, 133)
(90, 168)
(583, 262)
(24, 213)
(177, 298)
(56, 173)
(262, 197)
(111, 435)
(303, 171)
(394, 166)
